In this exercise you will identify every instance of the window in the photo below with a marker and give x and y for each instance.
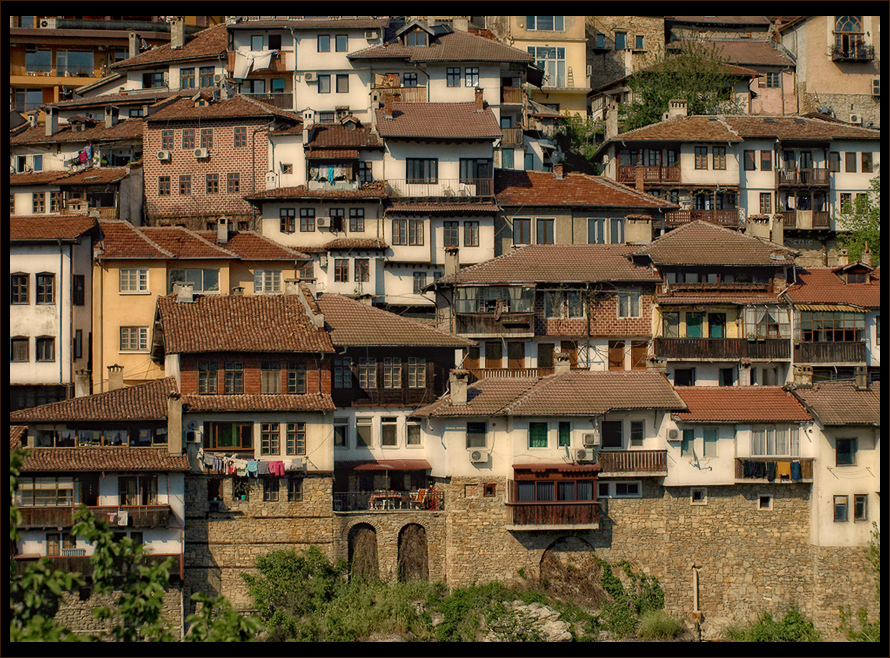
(866, 163)
(766, 203)
(850, 162)
(19, 347)
(407, 232)
(694, 324)
(544, 231)
(416, 372)
(270, 377)
(46, 285)
(202, 280)
(476, 435)
(765, 502)
(507, 159)
(564, 434)
(719, 157)
(522, 231)
(337, 215)
(212, 183)
(74, 62)
(544, 23)
(342, 82)
(341, 43)
(138, 489)
(860, 507)
(362, 270)
(167, 140)
(363, 433)
(698, 496)
(188, 138)
(288, 218)
(453, 76)
(324, 83)
(134, 339)
(637, 433)
(840, 509)
(324, 43)
(553, 61)
(639, 42)
(620, 40)
(294, 489)
(341, 432)
(596, 231)
(773, 79)
(684, 376)
(832, 327)
(367, 373)
(726, 377)
(47, 492)
(422, 170)
(537, 435)
(38, 202)
(409, 80)
(207, 378)
(619, 489)
(343, 372)
(392, 372)
(710, 437)
(297, 378)
(628, 305)
(774, 440)
(687, 444)
(365, 174)
(616, 228)
(389, 432)
(185, 184)
(471, 234)
(267, 281)
(670, 325)
(471, 76)
(612, 434)
(563, 304)
(416, 38)
(307, 220)
(356, 220)
(269, 439)
(845, 452)
(475, 170)
(19, 288)
(270, 490)
(40, 61)
(451, 233)
(419, 282)
(163, 186)
(234, 378)
(701, 157)
(766, 161)
(749, 161)
(233, 183)
(341, 270)
(240, 136)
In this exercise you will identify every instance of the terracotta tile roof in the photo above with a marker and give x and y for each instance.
(456, 46)
(787, 128)
(541, 188)
(561, 263)
(386, 465)
(576, 393)
(841, 403)
(355, 243)
(183, 243)
(353, 323)
(438, 121)
(206, 44)
(36, 178)
(249, 245)
(752, 52)
(140, 402)
(721, 20)
(259, 323)
(821, 285)
(318, 23)
(452, 208)
(239, 106)
(703, 243)
(96, 176)
(121, 239)
(27, 228)
(128, 130)
(103, 459)
(735, 298)
(332, 154)
(134, 97)
(323, 136)
(683, 129)
(17, 435)
(226, 403)
(740, 404)
(376, 190)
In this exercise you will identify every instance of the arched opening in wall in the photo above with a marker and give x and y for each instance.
(362, 543)
(569, 569)
(413, 557)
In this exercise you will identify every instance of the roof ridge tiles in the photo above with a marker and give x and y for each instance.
(194, 234)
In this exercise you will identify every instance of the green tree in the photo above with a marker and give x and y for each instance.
(579, 135)
(861, 224)
(867, 631)
(697, 73)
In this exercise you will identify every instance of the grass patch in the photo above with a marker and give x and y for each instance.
(658, 625)
(794, 627)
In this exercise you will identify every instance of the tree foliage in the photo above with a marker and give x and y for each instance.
(697, 73)
(861, 224)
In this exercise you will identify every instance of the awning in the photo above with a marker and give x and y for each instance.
(845, 308)
(559, 467)
(387, 465)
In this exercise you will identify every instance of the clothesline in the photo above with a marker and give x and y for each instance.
(230, 465)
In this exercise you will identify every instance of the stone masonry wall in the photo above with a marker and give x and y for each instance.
(76, 614)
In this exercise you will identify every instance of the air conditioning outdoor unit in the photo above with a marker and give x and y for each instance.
(673, 435)
(371, 34)
(856, 118)
(217, 78)
(310, 76)
(323, 222)
(202, 153)
(591, 439)
(48, 23)
(584, 455)
(479, 456)
(164, 155)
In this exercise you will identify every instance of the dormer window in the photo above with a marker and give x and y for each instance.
(417, 38)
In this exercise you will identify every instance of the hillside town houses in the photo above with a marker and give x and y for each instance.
(282, 281)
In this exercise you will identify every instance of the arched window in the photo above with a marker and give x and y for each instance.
(848, 40)
(848, 24)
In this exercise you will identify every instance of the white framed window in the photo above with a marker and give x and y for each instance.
(775, 440)
(413, 434)
(134, 339)
(629, 305)
(389, 432)
(202, 280)
(266, 281)
(620, 489)
(133, 280)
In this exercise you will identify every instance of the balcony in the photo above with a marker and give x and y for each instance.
(728, 217)
(507, 373)
(722, 349)
(639, 463)
(83, 563)
(655, 174)
(441, 187)
(807, 352)
(806, 219)
(759, 469)
(139, 516)
(419, 500)
(511, 95)
(556, 515)
(512, 137)
(810, 177)
(403, 94)
(857, 52)
(489, 324)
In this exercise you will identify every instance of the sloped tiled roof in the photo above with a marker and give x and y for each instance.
(249, 245)
(703, 243)
(140, 402)
(750, 52)
(36, 178)
(96, 176)
(821, 285)
(17, 435)
(560, 263)
(239, 106)
(206, 44)
(314, 23)
(334, 136)
(183, 243)
(230, 323)
(683, 129)
(541, 188)
(451, 207)
(341, 244)
(841, 403)
(352, 323)
(128, 130)
(225, 403)
(740, 404)
(438, 121)
(456, 46)
(576, 393)
(26, 228)
(119, 458)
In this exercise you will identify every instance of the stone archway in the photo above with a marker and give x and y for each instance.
(413, 553)
(362, 551)
(569, 569)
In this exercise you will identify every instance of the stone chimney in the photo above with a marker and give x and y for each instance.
(865, 256)
(81, 383)
(133, 44)
(112, 115)
(562, 363)
(677, 107)
(452, 260)
(758, 226)
(860, 378)
(457, 384)
(611, 117)
(480, 104)
(777, 230)
(222, 230)
(558, 170)
(177, 33)
(174, 424)
(185, 293)
(803, 375)
(238, 291)
(461, 24)
(291, 286)
(52, 121)
(115, 377)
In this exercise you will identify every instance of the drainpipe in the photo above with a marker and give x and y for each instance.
(61, 311)
(101, 321)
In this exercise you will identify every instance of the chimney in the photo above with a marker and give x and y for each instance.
(677, 107)
(777, 230)
(133, 44)
(52, 121)
(452, 260)
(461, 24)
(115, 377)
(611, 117)
(32, 120)
(185, 292)
(457, 384)
(558, 170)
(860, 378)
(177, 33)
(639, 182)
(563, 364)
(387, 105)
(479, 102)
(222, 230)
(174, 424)
(291, 286)
(112, 115)
(758, 226)
(238, 291)
(81, 383)
(803, 376)
(865, 256)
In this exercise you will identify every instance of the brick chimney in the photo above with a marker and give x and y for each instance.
(865, 256)
(177, 33)
(480, 104)
(457, 384)
(639, 180)
(559, 170)
(387, 105)
(115, 377)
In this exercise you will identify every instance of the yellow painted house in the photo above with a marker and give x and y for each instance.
(132, 266)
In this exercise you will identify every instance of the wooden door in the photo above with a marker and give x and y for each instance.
(516, 354)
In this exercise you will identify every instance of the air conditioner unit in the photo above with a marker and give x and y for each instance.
(372, 34)
(217, 78)
(164, 155)
(591, 439)
(310, 76)
(48, 23)
(479, 456)
(202, 153)
(673, 435)
(856, 118)
(323, 222)
(584, 455)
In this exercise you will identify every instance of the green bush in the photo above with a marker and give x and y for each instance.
(794, 627)
(658, 625)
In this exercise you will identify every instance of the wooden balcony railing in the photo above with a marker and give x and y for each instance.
(506, 373)
(806, 219)
(83, 564)
(511, 95)
(512, 137)
(556, 513)
(759, 468)
(649, 462)
(722, 348)
(441, 187)
(404, 94)
(139, 516)
(807, 352)
(728, 217)
(806, 177)
(488, 323)
(654, 174)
